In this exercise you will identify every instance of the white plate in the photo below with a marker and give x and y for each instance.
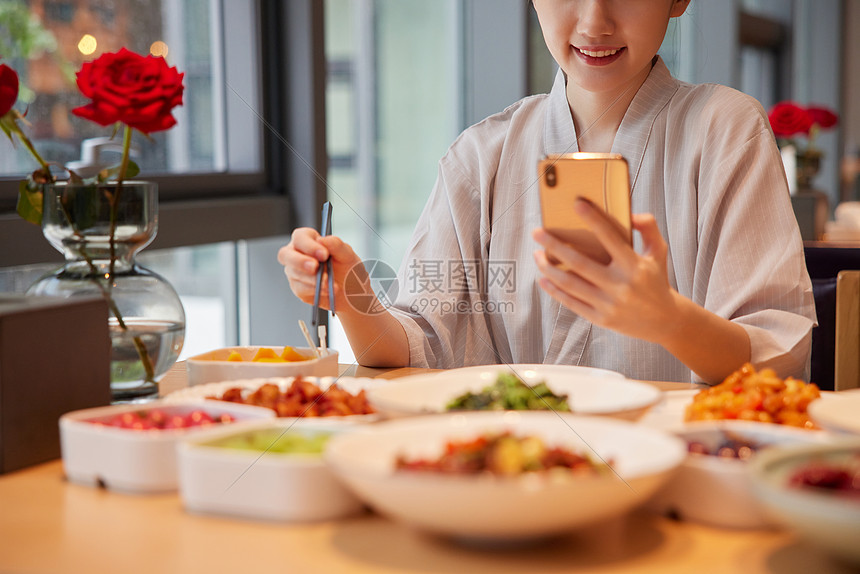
(831, 522)
(492, 508)
(543, 370)
(587, 394)
(668, 414)
(841, 416)
(350, 384)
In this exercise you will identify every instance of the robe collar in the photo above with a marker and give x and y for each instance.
(635, 129)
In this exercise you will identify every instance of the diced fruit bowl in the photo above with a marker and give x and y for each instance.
(132, 448)
(233, 363)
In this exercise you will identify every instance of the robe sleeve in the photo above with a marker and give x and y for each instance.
(440, 282)
(750, 263)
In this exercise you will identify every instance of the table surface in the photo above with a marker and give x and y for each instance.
(50, 525)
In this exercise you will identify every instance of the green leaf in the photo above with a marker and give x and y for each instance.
(6, 129)
(30, 202)
(131, 170)
(112, 173)
(81, 206)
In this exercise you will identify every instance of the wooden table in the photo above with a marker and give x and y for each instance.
(50, 526)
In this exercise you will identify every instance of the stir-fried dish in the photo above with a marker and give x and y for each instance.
(510, 393)
(301, 399)
(753, 395)
(502, 454)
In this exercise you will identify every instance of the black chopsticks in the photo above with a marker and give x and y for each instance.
(325, 230)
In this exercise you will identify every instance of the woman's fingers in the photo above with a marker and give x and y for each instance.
(301, 259)
(568, 257)
(572, 303)
(652, 240)
(303, 252)
(308, 241)
(339, 251)
(608, 230)
(570, 283)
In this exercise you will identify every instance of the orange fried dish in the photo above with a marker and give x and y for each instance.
(755, 396)
(302, 399)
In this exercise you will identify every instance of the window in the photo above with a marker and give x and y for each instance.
(404, 78)
(218, 194)
(196, 158)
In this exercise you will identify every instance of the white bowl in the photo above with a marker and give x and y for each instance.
(492, 508)
(587, 394)
(352, 385)
(213, 366)
(139, 461)
(828, 521)
(840, 416)
(718, 491)
(262, 485)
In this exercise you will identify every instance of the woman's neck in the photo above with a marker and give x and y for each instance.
(598, 115)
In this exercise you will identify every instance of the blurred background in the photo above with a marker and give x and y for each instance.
(291, 102)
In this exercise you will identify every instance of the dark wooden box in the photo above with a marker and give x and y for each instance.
(54, 358)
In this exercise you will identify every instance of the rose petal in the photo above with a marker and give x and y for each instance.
(9, 86)
(138, 91)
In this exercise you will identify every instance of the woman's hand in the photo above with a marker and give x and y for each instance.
(301, 259)
(630, 294)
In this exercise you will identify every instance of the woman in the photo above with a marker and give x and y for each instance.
(715, 277)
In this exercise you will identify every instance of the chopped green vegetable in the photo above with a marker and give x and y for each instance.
(510, 393)
(276, 441)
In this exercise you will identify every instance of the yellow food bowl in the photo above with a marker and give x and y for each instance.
(252, 362)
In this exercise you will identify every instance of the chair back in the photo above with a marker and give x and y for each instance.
(825, 263)
(847, 327)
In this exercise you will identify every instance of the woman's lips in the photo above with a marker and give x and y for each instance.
(599, 56)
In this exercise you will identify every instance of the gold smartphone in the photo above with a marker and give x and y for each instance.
(602, 178)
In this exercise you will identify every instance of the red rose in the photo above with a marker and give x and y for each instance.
(788, 119)
(8, 89)
(824, 117)
(138, 91)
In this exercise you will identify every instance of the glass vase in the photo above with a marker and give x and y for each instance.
(100, 229)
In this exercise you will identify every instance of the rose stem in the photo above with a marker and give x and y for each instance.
(142, 351)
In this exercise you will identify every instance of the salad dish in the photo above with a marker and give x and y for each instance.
(272, 470)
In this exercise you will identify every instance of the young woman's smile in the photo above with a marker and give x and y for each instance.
(598, 55)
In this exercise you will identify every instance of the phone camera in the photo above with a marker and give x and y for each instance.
(550, 176)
